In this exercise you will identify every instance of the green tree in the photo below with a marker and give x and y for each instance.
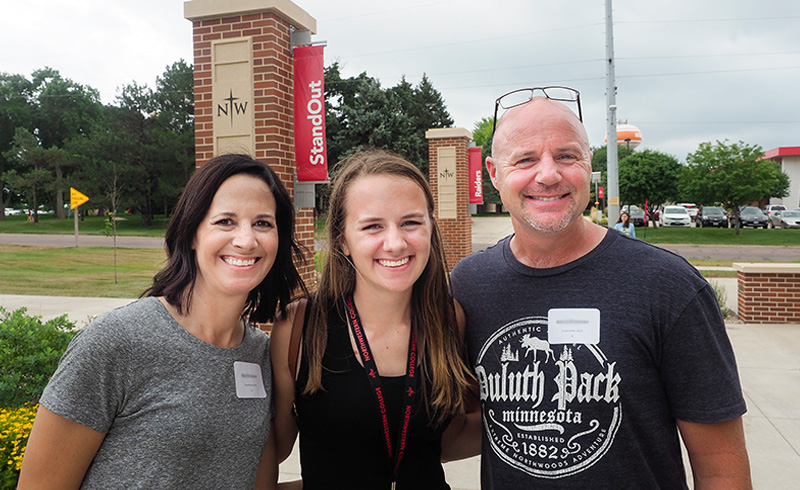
(32, 175)
(360, 114)
(16, 111)
(64, 110)
(731, 174)
(173, 133)
(650, 177)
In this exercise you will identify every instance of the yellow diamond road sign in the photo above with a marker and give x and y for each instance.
(76, 198)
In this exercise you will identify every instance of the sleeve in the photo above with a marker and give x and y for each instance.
(633, 230)
(698, 365)
(89, 385)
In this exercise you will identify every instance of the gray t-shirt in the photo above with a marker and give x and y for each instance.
(579, 414)
(166, 400)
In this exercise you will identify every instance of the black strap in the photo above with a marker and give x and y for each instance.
(375, 381)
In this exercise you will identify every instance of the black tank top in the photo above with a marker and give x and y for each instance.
(341, 437)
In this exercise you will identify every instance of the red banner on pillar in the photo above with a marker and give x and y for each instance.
(475, 176)
(310, 152)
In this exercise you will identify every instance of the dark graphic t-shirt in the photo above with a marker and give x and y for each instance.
(564, 410)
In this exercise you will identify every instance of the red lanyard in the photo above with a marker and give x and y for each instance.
(375, 381)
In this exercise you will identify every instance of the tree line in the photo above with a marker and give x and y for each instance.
(138, 153)
(135, 154)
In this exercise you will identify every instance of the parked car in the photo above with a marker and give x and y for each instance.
(712, 216)
(785, 219)
(674, 216)
(752, 216)
(771, 208)
(637, 217)
(691, 207)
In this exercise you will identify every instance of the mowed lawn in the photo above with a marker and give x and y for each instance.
(87, 272)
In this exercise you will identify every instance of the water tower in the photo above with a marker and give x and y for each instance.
(628, 136)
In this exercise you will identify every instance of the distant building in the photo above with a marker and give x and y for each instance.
(788, 157)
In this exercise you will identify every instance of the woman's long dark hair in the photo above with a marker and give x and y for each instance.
(176, 280)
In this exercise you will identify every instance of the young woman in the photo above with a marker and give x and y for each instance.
(624, 224)
(174, 390)
(370, 370)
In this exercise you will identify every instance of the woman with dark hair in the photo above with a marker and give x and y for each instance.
(624, 224)
(174, 390)
(369, 370)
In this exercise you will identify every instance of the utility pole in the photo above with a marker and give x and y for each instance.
(611, 126)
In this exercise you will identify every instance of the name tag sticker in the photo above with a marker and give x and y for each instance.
(249, 382)
(573, 326)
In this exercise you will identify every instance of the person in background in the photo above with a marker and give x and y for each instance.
(624, 225)
(369, 370)
(590, 370)
(174, 389)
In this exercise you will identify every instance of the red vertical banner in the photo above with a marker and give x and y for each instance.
(475, 175)
(310, 149)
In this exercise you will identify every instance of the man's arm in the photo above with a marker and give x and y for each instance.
(717, 454)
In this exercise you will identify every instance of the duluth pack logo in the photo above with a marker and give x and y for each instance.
(549, 410)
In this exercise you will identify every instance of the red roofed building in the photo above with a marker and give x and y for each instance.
(788, 157)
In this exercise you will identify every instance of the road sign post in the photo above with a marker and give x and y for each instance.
(76, 198)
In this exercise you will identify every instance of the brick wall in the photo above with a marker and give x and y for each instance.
(768, 293)
(456, 233)
(273, 89)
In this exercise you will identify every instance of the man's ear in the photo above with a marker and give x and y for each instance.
(492, 169)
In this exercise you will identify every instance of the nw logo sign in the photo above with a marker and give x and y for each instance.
(231, 107)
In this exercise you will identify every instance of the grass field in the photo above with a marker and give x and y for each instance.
(71, 271)
(720, 236)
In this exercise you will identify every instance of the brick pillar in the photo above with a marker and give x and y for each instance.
(449, 179)
(768, 292)
(243, 89)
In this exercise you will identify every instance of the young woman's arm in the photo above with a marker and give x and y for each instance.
(462, 439)
(283, 382)
(59, 452)
(267, 476)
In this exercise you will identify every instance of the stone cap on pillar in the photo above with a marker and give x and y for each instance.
(442, 133)
(206, 9)
(766, 268)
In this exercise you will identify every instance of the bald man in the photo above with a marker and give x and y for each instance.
(593, 350)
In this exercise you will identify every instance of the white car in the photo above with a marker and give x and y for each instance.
(674, 216)
(691, 207)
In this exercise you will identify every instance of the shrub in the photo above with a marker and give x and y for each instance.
(722, 299)
(29, 354)
(15, 427)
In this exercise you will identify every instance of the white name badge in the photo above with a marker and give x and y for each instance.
(249, 382)
(573, 326)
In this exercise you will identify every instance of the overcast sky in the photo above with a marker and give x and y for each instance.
(687, 71)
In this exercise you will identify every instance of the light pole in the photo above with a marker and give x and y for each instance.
(612, 173)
